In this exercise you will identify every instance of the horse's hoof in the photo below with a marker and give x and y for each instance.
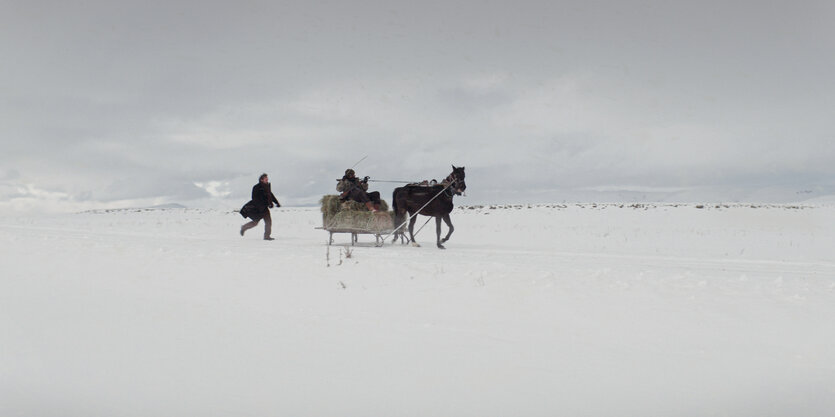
(444, 240)
(415, 244)
(441, 246)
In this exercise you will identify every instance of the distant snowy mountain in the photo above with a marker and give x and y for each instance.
(824, 199)
(168, 206)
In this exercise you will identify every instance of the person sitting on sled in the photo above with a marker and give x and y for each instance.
(352, 188)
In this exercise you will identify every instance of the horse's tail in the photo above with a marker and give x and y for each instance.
(397, 216)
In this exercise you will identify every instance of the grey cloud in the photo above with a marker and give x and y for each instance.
(148, 187)
(10, 191)
(462, 100)
(9, 174)
(110, 101)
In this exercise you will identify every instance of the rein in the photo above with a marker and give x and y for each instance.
(452, 181)
(399, 182)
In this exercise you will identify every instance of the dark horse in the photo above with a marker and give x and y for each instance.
(434, 201)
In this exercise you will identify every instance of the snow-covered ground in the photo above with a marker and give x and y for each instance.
(550, 310)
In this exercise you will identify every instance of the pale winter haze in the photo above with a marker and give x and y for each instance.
(125, 104)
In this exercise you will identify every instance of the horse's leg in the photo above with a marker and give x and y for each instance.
(411, 230)
(438, 232)
(400, 235)
(403, 238)
(448, 222)
(399, 230)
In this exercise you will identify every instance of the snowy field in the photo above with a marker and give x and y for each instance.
(550, 310)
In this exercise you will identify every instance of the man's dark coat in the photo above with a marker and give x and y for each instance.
(262, 199)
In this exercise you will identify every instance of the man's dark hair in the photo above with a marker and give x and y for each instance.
(262, 177)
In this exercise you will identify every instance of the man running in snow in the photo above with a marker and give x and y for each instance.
(259, 207)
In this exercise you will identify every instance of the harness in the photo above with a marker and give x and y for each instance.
(423, 207)
(451, 181)
(448, 190)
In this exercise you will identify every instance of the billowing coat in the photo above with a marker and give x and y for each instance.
(262, 200)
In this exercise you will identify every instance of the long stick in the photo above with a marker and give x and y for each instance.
(358, 162)
(424, 225)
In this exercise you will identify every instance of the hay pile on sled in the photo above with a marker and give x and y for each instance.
(350, 215)
(331, 205)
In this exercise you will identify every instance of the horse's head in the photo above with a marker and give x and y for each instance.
(456, 178)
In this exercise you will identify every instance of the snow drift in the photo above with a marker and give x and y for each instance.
(581, 310)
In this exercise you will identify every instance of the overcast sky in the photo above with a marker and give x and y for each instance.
(124, 104)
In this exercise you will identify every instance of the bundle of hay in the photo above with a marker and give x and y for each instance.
(350, 215)
(332, 205)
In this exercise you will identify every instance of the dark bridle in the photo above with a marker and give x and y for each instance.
(456, 180)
